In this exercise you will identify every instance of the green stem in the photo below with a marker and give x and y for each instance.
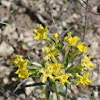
(48, 42)
(74, 55)
(67, 51)
(47, 92)
(78, 65)
(66, 91)
(54, 59)
(57, 90)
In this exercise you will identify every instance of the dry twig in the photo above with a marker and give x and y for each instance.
(60, 23)
(50, 10)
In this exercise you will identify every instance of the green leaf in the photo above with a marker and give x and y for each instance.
(43, 63)
(29, 58)
(34, 84)
(66, 92)
(14, 12)
(61, 87)
(55, 18)
(66, 1)
(36, 64)
(60, 46)
(61, 93)
(46, 93)
(48, 26)
(52, 40)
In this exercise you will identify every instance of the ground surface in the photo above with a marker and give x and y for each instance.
(16, 38)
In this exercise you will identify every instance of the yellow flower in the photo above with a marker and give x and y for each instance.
(15, 60)
(41, 33)
(71, 40)
(22, 73)
(64, 79)
(50, 52)
(57, 69)
(81, 48)
(45, 74)
(55, 65)
(55, 35)
(83, 80)
(85, 62)
(51, 71)
(18, 61)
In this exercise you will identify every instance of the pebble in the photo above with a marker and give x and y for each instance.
(22, 96)
(4, 71)
(83, 98)
(95, 93)
(94, 75)
(6, 3)
(5, 80)
(6, 49)
(2, 98)
(28, 90)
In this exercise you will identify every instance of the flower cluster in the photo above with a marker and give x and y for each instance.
(51, 69)
(83, 80)
(18, 61)
(74, 41)
(41, 33)
(55, 35)
(50, 52)
(71, 40)
(53, 72)
(85, 62)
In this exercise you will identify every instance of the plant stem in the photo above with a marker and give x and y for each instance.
(73, 55)
(57, 90)
(47, 92)
(48, 42)
(67, 51)
(66, 91)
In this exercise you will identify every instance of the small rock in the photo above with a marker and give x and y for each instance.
(13, 79)
(74, 89)
(94, 75)
(25, 47)
(25, 3)
(30, 44)
(28, 90)
(94, 9)
(6, 49)
(21, 37)
(2, 98)
(60, 57)
(42, 96)
(55, 97)
(6, 3)
(83, 98)
(5, 80)
(96, 82)
(4, 71)
(35, 57)
(28, 39)
(96, 94)
(4, 14)
(22, 96)
(64, 24)
(11, 32)
(61, 3)
(38, 91)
